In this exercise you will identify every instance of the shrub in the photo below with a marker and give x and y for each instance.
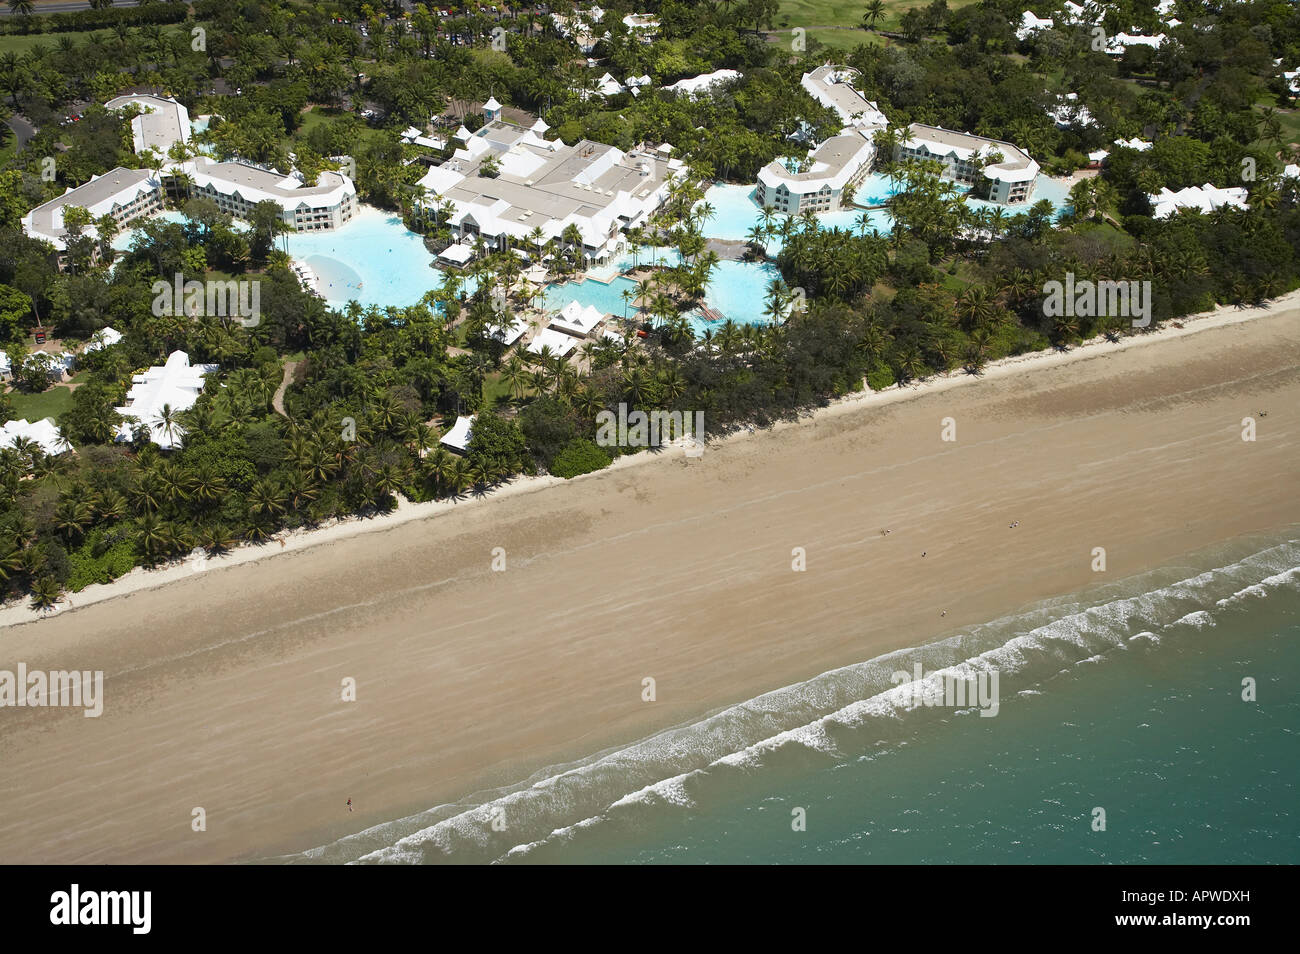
(579, 456)
(879, 378)
(85, 568)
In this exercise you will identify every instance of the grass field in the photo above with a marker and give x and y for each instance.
(841, 13)
(35, 407)
(20, 44)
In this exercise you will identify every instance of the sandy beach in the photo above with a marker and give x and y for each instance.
(223, 687)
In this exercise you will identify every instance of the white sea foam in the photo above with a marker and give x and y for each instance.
(823, 718)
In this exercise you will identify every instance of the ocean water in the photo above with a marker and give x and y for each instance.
(1127, 698)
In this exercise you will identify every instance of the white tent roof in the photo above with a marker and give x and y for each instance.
(457, 254)
(458, 437)
(510, 333)
(1207, 198)
(559, 343)
(577, 319)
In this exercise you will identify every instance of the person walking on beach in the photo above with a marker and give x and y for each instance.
(349, 804)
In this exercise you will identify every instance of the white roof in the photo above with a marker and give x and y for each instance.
(1087, 13)
(834, 162)
(697, 85)
(1068, 111)
(1118, 43)
(163, 122)
(44, 433)
(832, 86)
(102, 195)
(1031, 24)
(1292, 171)
(457, 254)
(1097, 155)
(508, 334)
(1016, 165)
(255, 184)
(559, 343)
(103, 339)
(1141, 145)
(492, 104)
(176, 384)
(458, 437)
(1207, 198)
(577, 319)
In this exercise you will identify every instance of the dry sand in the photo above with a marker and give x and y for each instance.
(223, 687)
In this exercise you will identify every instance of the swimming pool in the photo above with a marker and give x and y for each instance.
(373, 260)
(122, 241)
(736, 211)
(736, 290)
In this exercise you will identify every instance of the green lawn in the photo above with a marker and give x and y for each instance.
(20, 44)
(824, 13)
(320, 116)
(1289, 119)
(36, 407)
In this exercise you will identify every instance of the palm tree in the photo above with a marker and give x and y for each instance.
(46, 592)
(22, 8)
(265, 499)
(875, 13)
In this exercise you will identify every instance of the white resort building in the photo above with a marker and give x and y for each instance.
(175, 385)
(839, 162)
(1010, 177)
(238, 186)
(125, 194)
(541, 186)
(162, 122)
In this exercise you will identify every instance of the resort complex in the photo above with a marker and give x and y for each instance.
(835, 166)
(513, 187)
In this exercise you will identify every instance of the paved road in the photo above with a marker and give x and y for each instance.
(22, 129)
(68, 6)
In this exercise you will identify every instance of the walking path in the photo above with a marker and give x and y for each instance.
(277, 401)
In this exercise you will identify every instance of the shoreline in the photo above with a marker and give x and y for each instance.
(225, 693)
(140, 578)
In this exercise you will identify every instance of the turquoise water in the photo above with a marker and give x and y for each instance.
(605, 296)
(737, 290)
(122, 241)
(1128, 698)
(736, 212)
(373, 259)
